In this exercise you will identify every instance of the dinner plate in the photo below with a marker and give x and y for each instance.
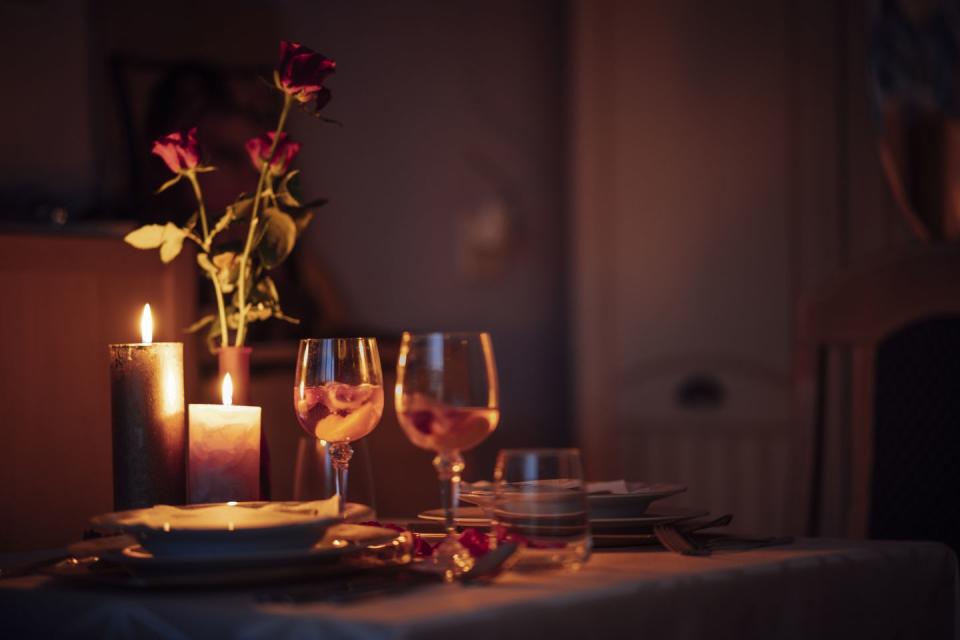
(646, 522)
(611, 499)
(633, 501)
(613, 540)
(120, 561)
(230, 529)
(463, 516)
(643, 524)
(339, 540)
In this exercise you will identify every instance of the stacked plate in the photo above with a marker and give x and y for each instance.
(621, 513)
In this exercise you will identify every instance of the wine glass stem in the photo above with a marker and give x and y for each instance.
(340, 454)
(449, 466)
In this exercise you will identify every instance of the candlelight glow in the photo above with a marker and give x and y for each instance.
(146, 325)
(172, 391)
(226, 391)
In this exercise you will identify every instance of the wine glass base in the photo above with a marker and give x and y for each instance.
(450, 559)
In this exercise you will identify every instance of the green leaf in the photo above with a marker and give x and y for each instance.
(150, 236)
(204, 261)
(303, 221)
(259, 312)
(284, 193)
(328, 120)
(169, 183)
(266, 291)
(201, 323)
(310, 206)
(228, 269)
(241, 208)
(213, 337)
(280, 315)
(222, 223)
(314, 204)
(172, 242)
(277, 239)
(191, 222)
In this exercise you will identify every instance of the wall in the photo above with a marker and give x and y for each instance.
(452, 117)
(47, 141)
(724, 162)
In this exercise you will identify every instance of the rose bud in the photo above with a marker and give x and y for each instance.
(178, 150)
(302, 72)
(478, 544)
(283, 155)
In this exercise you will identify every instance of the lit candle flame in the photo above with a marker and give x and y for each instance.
(226, 391)
(146, 325)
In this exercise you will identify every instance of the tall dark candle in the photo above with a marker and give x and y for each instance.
(149, 429)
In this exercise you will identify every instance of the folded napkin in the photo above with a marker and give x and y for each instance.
(609, 486)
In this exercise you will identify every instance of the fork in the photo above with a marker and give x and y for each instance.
(679, 542)
(679, 539)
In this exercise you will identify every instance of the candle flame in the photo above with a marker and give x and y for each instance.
(226, 391)
(146, 325)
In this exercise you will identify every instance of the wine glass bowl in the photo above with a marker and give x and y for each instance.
(338, 412)
(437, 427)
(338, 396)
(447, 401)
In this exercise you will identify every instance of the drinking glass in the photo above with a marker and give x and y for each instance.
(446, 399)
(338, 397)
(314, 477)
(540, 501)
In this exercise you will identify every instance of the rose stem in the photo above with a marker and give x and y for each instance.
(224, 336)
(241, 291)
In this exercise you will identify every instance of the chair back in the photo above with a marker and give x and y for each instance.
(877, 350)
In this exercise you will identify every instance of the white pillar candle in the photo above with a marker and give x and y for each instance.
(224, 451)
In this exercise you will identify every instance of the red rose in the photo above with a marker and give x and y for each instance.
(302, 72)
(259, 148)
(178, 150)
(478, 544)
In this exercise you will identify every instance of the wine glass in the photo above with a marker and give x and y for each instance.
(446, 399)
(338, 397)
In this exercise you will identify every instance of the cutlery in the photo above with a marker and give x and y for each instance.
(488, 566)
(698, 524)
(679, 542)
(27, 568)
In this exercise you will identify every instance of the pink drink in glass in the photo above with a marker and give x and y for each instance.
(438, 427)
(338, 412)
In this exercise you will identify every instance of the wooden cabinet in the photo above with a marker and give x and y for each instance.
(65, 298)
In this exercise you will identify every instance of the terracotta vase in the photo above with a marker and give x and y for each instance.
(236, 362)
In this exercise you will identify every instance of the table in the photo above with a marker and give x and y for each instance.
(809, 589)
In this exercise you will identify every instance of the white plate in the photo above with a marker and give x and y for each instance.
(615, 499)
(646, 522)
(634, 502)
(119, 561)
(232, 529)
(339, 540)
(475, 517)
(614, 540)
(463, 516)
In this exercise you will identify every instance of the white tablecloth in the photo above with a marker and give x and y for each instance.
(810, 589)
